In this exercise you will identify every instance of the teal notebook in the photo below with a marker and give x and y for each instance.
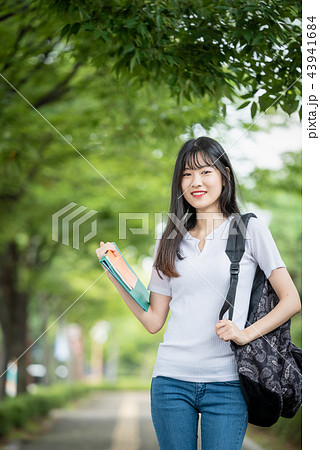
(120, 269)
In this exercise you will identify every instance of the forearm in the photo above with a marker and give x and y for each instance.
(145, 317)
(282, 312)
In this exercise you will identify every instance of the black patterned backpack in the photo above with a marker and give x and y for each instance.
(269, 367)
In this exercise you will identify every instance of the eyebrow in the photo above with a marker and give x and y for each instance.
(201, 167)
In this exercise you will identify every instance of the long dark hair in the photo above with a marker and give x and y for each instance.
(213, 154)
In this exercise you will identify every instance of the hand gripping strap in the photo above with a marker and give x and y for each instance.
(235, 250)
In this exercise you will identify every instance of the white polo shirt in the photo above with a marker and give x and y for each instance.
(191, 349)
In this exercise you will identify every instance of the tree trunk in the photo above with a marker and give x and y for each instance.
(13, 316)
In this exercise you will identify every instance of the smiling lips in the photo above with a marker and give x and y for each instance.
(198, 193)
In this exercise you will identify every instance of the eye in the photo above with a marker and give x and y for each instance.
(204, 172)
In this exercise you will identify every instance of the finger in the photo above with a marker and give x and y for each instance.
(224, 336)
(101, 251)
(106, 246)
(109, 246)
(220, 331)
(221, 323)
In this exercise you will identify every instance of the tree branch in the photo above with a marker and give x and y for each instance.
(12, 13)
(58, 90)
(22, 31)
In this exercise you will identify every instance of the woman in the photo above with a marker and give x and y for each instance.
(195, 370)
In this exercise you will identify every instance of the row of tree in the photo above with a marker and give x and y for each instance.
(103, 82)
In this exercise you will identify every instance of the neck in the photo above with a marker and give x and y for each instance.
(208, 221)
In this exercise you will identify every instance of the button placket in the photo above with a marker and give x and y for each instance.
(200, 391)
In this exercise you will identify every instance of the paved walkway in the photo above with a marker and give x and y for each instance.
(102, 421)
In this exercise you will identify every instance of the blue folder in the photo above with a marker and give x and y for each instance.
(139, 293)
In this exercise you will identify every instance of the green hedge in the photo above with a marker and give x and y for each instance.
(289, 430)
(15, 412)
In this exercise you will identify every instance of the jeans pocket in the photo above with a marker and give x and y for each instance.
(159, 385)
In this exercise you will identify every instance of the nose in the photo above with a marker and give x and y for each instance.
(196, 181)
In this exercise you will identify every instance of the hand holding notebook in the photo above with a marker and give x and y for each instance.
(116, 264)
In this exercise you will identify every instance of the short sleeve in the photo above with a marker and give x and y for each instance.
(262, 246)
(156, 284)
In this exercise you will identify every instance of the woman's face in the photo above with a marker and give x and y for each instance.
(202, 187)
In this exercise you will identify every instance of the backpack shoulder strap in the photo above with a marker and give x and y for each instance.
(235, 250)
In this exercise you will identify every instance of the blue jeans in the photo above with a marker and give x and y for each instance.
(175, 408)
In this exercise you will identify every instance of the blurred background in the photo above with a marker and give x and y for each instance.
(96, 101)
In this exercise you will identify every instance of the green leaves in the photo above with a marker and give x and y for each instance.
(75, 28)
(130, 23)
(244, 105)
(68, 30)
(254, 109)
(266, 101)
(256, 44)
(290, 107)
(64, 30)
